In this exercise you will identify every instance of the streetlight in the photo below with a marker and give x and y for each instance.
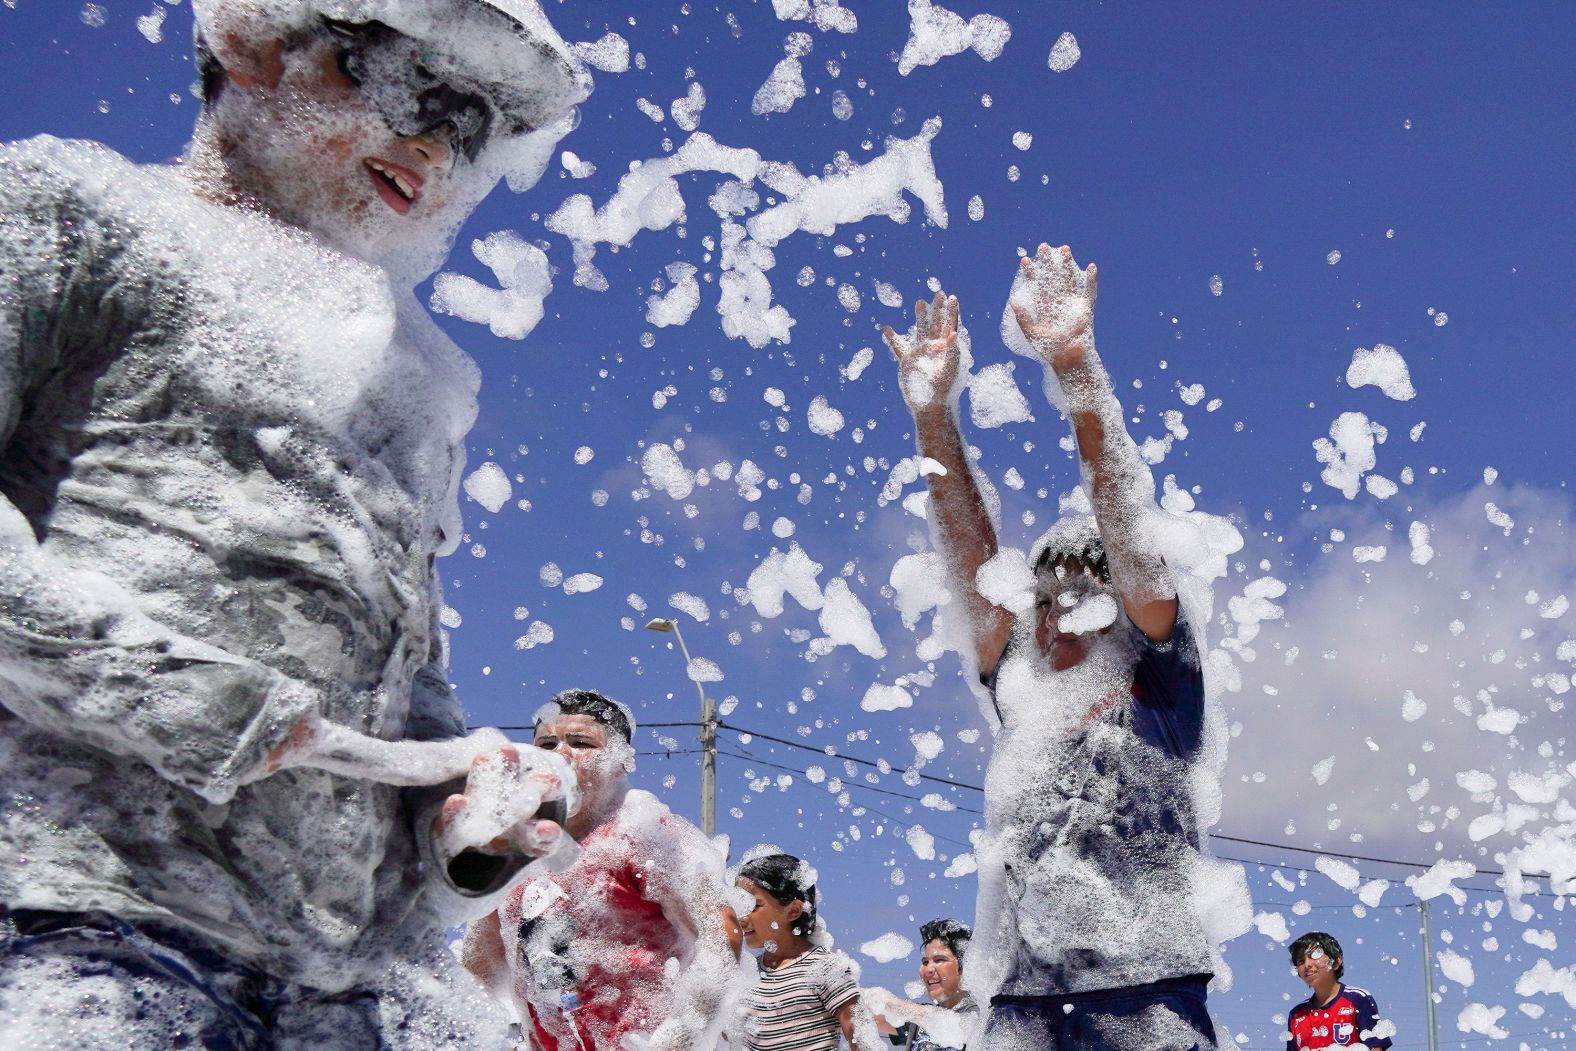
(708, 733)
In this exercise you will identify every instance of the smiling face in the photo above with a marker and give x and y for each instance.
(304, 141)
(942, 974)
(1317, 970)
(769, 925)
(1060, 586)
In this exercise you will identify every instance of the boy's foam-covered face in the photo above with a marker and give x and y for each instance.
(1071, 604)
(314, 151)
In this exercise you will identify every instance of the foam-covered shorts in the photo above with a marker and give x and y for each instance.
(1168, 1015)
(86, 981)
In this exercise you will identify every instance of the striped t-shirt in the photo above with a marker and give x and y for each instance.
(794, 1007)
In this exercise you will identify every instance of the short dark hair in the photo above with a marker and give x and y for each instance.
(598, 706)
(786, 879)
(1324, 942)
(954, 933)
(1090, 555)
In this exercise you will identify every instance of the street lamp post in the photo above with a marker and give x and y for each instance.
(708, 733)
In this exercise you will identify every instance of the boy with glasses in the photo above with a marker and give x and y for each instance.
(230, 447)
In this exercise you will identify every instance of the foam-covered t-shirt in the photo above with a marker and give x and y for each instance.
(587, 946)
(1343, 1022)
(794, 1007)
(228, 457)
(1097, 837)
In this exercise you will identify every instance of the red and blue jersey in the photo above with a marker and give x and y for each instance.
(1340, 1023)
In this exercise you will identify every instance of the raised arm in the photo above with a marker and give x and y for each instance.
(1055, 310)
(930, 364)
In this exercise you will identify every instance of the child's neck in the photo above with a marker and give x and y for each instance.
(789, 949)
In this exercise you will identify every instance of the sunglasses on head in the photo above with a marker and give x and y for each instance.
(395, 73)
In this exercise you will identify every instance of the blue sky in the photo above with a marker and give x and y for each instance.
(1430, 145)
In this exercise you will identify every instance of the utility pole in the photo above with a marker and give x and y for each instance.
(1428, 978)
(708, 734)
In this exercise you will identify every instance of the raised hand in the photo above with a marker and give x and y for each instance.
(1055, 307)
(929, 360)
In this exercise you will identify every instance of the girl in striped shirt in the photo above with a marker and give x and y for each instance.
(804, 996)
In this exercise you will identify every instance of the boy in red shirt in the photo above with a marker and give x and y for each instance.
(584, 953)
(1336, 1015)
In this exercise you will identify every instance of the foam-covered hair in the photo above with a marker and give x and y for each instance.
(598, 706)
(786, 878)
(1073, 536)
(954, 934)
(505, 47)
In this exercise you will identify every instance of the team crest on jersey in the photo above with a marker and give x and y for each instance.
(1343, 1032)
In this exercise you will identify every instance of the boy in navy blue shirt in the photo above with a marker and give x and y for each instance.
(1336, 1014)
(1087, 936)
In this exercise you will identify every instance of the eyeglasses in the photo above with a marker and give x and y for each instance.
(395, 74)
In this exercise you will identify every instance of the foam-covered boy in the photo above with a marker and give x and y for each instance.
(240, 805)
(1087, 935)
(631, 947)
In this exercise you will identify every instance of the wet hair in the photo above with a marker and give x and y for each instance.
(952, 933)
(599, 707)
(786, 879)
(1090, 555)
(1319, 940)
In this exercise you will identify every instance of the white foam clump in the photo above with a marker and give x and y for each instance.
(1006, 580)
(499, 798)
(1022, 140)
(677, 305)
(1455, 967)
(1419, 536)
(647, 198)
(1375, 553)
(1481, 1018)
(702, 670)
(922, 843)
(514, 308)
(489, 486)
(540, 633)
(934, 33)
(779, 574)
(927, 744)
(667, 472)
(825, 15)
(692, 606)
(994, 397)
(846, 621)
(151, 25)
(1343, 874)
(1272, 925)
(1381, 367)
(1348, 452)
(861, 361)
(1065, 53)
(1440, 879)
(785, 85)
(919, 584)
(1322, 770)
(1089, 615)
(610, 54)
(575, 166)
(883, 698)
(976, 208)
(961, 865)
(823, 419)
(890, 946)
(581, 583)
(687, 110)
(1544, 978)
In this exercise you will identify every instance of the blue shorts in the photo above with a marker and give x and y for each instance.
(84, 981)
(1168, 1015)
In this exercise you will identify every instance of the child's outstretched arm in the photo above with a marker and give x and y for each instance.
(930, 366)
(1055, 310)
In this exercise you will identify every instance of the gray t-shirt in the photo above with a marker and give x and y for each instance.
(228, 457)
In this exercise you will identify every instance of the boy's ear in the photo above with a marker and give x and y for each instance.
(250, 59)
